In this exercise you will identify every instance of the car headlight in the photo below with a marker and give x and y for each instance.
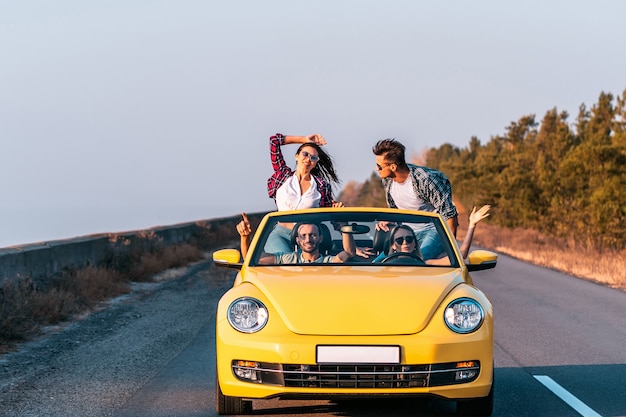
(464, 315)
(247, 315)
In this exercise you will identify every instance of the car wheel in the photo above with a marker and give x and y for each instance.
(476, 406)
(225, 405)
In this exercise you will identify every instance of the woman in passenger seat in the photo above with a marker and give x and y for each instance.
(402, 239)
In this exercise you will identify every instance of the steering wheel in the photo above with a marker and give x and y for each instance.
(412, 257)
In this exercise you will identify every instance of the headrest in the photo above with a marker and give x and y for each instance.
(380, 240)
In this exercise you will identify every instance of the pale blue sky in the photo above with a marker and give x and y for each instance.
(125, 114)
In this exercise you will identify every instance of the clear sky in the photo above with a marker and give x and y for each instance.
(121, 115)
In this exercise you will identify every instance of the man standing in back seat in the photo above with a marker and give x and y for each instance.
(413, 187)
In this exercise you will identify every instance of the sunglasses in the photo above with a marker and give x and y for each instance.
(313, 158)
(378, 167)
(402, 239)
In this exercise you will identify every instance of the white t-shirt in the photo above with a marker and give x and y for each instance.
(404, 196)
(288, 195)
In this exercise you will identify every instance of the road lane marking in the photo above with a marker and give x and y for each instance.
(568, 398)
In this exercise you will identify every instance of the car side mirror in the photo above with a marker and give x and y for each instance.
(479, 260)
(227, 258)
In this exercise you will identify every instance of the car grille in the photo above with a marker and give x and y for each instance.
(356, 375)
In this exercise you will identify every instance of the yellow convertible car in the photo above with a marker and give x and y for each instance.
(350, 308)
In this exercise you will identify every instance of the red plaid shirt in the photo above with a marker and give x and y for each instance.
(282, 172)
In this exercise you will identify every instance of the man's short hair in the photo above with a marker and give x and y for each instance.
(295, 231)
(393, 150)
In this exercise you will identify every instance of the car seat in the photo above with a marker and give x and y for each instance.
(381, 241)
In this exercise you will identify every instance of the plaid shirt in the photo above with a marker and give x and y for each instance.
(282, 172)
(429, 185)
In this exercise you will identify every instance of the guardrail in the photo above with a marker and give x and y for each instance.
(44, 260)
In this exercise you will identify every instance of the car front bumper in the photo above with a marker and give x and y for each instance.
(448, 365)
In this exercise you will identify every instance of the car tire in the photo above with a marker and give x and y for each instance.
(476, 406)
(225, 405)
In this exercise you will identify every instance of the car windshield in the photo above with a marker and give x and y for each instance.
(323, 238)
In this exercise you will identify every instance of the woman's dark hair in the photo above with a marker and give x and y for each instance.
(324, 167)
(393, 151)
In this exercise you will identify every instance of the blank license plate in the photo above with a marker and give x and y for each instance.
(358, 354)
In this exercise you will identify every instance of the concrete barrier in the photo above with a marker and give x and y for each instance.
(43, 260)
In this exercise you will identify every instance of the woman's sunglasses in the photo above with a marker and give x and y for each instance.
(313, 158)
(402, 239)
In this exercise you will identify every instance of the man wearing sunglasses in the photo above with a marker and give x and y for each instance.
(413, 187)
(308, 237)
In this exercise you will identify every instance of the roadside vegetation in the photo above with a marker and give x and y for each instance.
(557, 189)
(565, 180)
(604, 267)
(28, 305)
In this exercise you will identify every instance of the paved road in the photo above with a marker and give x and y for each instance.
(560, 351)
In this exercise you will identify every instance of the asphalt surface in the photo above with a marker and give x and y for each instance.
(94, 366)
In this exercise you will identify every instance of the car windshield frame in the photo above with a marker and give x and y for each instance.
(335, 219)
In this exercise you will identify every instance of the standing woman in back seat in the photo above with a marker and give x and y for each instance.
(308, 186)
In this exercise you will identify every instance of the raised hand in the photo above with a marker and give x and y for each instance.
(383, 225)
(316, 139)
(243, 227)
(476, 216)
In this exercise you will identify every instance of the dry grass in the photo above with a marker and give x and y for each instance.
(568, 256)
(153, 262)
(25, 307)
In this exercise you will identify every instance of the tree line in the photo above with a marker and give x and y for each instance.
(563, 179)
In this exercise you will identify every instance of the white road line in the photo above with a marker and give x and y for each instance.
(569, 399)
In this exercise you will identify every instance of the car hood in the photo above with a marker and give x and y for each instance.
(345, 300)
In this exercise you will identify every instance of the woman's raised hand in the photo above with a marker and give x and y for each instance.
(476, 216)
(316, 139)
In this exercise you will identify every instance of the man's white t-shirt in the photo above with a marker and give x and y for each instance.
(403, 195)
